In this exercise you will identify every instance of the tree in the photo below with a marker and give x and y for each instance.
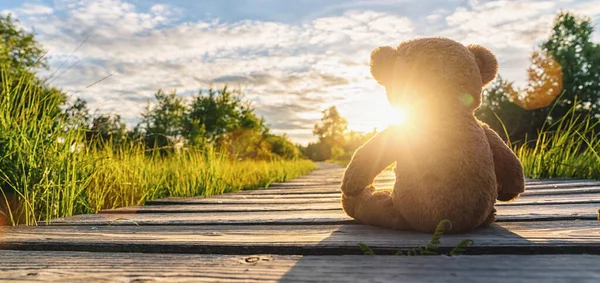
(564, 74)
(332, 127)
(331, 131)
(99, 128)
(214, 113)
(19, 50)
(245, 144)
(20, 54)
(163, 123)
(499, 110)
(283, 147)
(570, 44)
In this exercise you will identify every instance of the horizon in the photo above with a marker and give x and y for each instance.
(293, 60)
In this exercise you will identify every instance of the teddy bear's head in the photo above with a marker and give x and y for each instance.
(434, 73)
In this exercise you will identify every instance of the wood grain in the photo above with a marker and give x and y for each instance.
(505, 213)
(502, 238)
(138, 267)
(198, 207)
(303, 196)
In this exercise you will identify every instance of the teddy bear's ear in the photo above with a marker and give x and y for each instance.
(486, 61)
(382, 62)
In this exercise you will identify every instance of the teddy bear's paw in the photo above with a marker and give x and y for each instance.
(507, 196)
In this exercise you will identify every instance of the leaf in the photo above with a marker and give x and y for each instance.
(365, 249)
(461, 247)
(437, 234)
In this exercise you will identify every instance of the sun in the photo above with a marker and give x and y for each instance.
(397, 116)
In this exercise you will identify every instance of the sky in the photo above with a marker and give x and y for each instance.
(292, 58)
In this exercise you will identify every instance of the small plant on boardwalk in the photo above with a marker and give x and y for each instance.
(431, 248)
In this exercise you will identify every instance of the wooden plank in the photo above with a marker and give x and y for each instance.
(333, 190)
(503, 238)
(334, 205)
(527, 196)
(134, 267)
(389, 185)
(221, 201)
(505, 213)
(298, 196)
(200, 208)
(278, 196)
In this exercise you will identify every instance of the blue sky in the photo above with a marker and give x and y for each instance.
(293, 58)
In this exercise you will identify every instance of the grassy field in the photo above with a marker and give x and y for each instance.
(48, 171)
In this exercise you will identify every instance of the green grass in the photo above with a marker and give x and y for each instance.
(567, 149)
(131, 177)
(46, 171)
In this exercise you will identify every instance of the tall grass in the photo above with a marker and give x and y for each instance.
(568, 148)
(46, 171)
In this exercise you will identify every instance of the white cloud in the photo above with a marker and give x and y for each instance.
(290, 71)
(286, 69)
(511, 29)
(30, 9)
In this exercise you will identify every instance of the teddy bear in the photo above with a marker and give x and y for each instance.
(448, 164)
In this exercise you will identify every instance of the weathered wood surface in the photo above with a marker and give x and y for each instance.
(505, 213)
(505, 238)
(138, 267)
(304, 217)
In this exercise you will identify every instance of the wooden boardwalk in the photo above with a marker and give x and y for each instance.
(297, 232)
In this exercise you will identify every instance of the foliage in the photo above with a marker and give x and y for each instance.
(162, 123)
(336, 143)
(19, 51)
(564, 73)
(366, 249)
(317, 151)
(56, 163)
(431, 248)
(99, 128)
(569, 147)
(35, 152)
(571, 45)
(245, 144)
(220, 118)
(46, 171)
(500, 112)
(332, 127)
(283, 147)
(214, 113)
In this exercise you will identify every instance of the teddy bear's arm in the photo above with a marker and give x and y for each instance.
(508, 169)
(360, 200)
(368, 161)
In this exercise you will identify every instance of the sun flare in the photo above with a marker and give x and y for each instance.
(397, 116)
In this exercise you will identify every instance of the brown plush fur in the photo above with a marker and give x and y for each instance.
(448, 164)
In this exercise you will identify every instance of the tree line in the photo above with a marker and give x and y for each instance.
(219, 118)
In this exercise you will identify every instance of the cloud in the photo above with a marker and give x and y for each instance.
(286, 69)
(290, 70)
(511, 29)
